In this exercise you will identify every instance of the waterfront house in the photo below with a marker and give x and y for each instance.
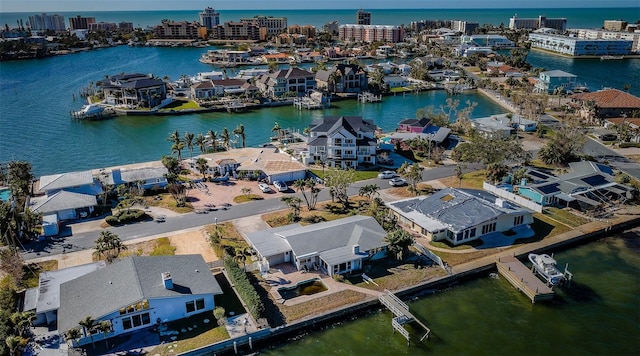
(551, 81)
(606, 103)
(420, 128)
(144, 177)
(342, 78)
(136, 293)
(589, 185)
(395, 81)
(342, 142)
(133, 89)
(335, 247)
(44, 300)
(77, 182)
(294, 80)
(221, 87)
(459, 216)
(273, 165)
(503, 125)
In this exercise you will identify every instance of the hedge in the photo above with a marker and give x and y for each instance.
(245, 289)
(125, 216)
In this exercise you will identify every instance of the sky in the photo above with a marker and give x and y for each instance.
(126, 5)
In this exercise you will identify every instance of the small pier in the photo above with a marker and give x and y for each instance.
(307, 103)
(402, 315)
(523, 279)
(367, 97)
(235, 106)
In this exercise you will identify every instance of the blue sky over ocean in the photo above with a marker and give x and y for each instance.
(124, 5)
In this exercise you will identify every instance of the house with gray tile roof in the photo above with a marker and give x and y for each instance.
(336, 247)
(460, 215)
(343, 78)
(342, 141)
(286, 80)
(138, 292)
(133, 89)
(151, 177)
(78, 182)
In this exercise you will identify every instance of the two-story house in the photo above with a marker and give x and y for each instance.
(343, 78)
(342, 141)
(220, 87)
(133, 89)
(552, 80)
(286, 80)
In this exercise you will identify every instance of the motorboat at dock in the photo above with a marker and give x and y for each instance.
(545, 266)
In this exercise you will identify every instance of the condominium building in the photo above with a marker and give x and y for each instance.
(81, 23)
(611, 35)
(209, 18)
(615, 25)
(274, 25)
(371, 33)
(559, 24)
(238, 31)
(363, 17)
(176, 30)
(103, 26)
(43, 22)
(465, 27)
(576, 47)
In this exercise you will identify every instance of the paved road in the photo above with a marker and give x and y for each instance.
(86, 240)
(603, 153)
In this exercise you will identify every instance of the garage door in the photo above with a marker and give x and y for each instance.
(276, 259)
(288, 176)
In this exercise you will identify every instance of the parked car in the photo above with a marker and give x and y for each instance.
(397, 182)
(161, 218)
(264, 187)
(280, 186)
(608, 137)
(386, 174)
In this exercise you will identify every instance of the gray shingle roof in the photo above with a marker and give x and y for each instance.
(64, 200)
(130, 280)
(65, 180)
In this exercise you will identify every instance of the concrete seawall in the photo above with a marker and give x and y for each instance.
(262, 338)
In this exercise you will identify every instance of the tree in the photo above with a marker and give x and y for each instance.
(241, 255)
(278, 130)
(20, 177)
(459, 174)
(213, 138)
(105, 327)
(496, 171)
(174, 137)
(109, 245)
(338, 181)
(72, 335)
(189, 141)
(294, 204)
(239, 130)
(11, 263)
(22, 321)
(14, 343)
(399, 241)
(202, 165)
(88, 325)
(226, 138)
(201, 142)
(177, 148)
(413, 173)
(219, 313)
(314, 191)
(563, 147)
(301, 186)
(179, 193)
(369, 191)
(487, 149)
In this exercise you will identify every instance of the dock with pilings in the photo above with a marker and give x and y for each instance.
(523, 279)
(402, 315)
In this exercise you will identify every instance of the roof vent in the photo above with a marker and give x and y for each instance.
(167, 280)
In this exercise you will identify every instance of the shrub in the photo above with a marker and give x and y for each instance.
(244, 287)
(112, 220)
(125, 216)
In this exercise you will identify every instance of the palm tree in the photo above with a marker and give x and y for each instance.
(72, 335)
(13, 343)
(22, 321)
(276, 128)
(188, 141)
(177, 148)
(202, 165)
(241, 256)
(399, 241)
(301, 185)
(239, 130)
(213, 137)
(369, 190)
(174, 137)
(226, 138)
(109, 245)
(105, 327)
(201, 142)
(88, 325)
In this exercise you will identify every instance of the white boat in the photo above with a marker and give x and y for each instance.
(607, 58)
(545, 266)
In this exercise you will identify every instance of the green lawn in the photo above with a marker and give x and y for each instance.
(181, 105)
(565, 217)
(359, 175)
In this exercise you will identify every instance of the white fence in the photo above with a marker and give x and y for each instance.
(524, 202)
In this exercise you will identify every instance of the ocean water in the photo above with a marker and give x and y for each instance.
(576, 18)
(597, 315)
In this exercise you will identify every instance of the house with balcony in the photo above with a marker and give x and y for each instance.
(221, 87)
(153, 177)
(423, 128)
(136, 293)
(459, 216)
(553, 80)
(294, 80)
(343, 78)
(133, 89)
(341, 142)
(335, 247)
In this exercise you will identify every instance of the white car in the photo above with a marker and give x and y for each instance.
(397, 182)
(264, 187)
(386, 174)
(280, 186)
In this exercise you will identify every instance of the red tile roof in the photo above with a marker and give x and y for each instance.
(610, 98)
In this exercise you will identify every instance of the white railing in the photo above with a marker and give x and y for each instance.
(524, 202)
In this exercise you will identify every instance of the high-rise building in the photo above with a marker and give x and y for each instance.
(468, 28)
(371, 33)
(209, 18)
(615, 25)
(363, 17)
(274, 25)
(43, 22)
(81, 23)
(559, 24)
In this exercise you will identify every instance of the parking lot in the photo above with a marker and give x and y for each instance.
(217, 195)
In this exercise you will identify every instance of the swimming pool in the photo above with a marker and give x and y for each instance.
(308, 287)
(5, 194)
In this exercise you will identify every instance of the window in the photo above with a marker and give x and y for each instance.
(135, 321)
(191, 307)
(199, 304)
(126, 323)
(488, 228)
(518, 220)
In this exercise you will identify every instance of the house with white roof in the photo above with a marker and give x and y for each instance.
(138, 292)
(336, 247)
(344, 141)
(147, 177)
(459, 216)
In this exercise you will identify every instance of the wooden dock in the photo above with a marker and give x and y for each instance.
(523, 279)
(402, 315)
(367, 97)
